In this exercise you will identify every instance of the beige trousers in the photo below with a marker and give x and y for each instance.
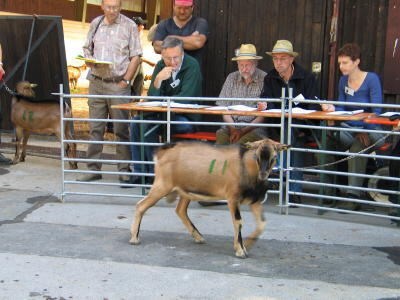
(100, 109)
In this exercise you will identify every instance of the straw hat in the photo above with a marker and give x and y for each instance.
(246, 51)
(283, 46)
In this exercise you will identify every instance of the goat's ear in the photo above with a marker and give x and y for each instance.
(253, 145)
(281, 147)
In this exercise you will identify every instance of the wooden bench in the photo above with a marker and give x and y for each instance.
(198, 135)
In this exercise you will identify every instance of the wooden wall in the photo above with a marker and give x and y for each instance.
(261, 22)
(70, 10)
(305, 22)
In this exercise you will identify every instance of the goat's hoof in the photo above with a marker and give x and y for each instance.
(242, 253)
(134, 242)
(73, 166)
(200, 241)
(14, 162)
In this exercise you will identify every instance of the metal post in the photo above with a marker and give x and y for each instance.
(288, 153)
(62, 142)
(169, 120)
(281, 154)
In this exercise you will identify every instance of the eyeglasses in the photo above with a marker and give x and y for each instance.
(173, 58)
(276, 59)
(112, 8)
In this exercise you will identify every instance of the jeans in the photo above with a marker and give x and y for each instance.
(343, 141)
(152, 137)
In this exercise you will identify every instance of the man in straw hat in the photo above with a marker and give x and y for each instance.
(247, 82)
(183, 25)
(288, 74)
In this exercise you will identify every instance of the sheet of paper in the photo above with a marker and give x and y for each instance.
(186, 105)
(345, 112)
(299, 110)
(94, 61)
(151, 103)
(295, 110)
(242, 108)
(390, 113)
(217, 108)
(274, 110)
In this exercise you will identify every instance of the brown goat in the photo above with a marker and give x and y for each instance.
(73, 75)
(39, 117)
(198, 171)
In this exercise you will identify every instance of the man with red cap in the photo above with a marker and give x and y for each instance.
(3, 159)
(183, 25)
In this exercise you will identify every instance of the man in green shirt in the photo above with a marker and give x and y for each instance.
(176, 75)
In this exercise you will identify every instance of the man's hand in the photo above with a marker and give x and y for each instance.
(122, 84)
(327, 107)
(164, 74)
(234, 135)
(262, 105)
(363, 138)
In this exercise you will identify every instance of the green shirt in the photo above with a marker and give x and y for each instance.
(189, 83)
(189, 80)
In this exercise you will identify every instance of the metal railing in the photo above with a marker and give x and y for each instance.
(285, 125)
(67, 183)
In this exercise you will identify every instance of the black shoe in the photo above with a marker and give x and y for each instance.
(294, 199)
(149, 180)
(136, 179)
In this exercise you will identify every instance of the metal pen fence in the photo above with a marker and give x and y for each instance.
(284, 125)
(167, 123)
(365, 189)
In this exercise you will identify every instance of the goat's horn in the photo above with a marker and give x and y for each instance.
(33, 85)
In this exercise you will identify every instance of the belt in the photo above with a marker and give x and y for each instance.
(112, 79)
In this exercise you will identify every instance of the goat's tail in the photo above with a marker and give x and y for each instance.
(171, 197)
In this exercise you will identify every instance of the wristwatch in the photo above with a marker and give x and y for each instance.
(128, 82)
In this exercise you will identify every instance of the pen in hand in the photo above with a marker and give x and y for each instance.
(326, 107)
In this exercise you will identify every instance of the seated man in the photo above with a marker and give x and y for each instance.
(288, 74)
(175, 75)
(247, 82)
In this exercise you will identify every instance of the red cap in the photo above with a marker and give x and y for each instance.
(1, 74)
(184, 2)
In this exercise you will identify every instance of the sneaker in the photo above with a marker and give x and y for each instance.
(89, 177)
(124, 179)
(5, 160)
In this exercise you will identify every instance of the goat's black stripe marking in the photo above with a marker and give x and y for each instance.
(138, 230)
(237, 214)
(262, 217)
(194, 227)
(240, 240)
(255, 194)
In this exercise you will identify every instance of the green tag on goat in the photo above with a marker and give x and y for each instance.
(224, 167)
(212, 164)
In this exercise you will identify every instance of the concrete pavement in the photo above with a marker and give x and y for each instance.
(80, 250)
